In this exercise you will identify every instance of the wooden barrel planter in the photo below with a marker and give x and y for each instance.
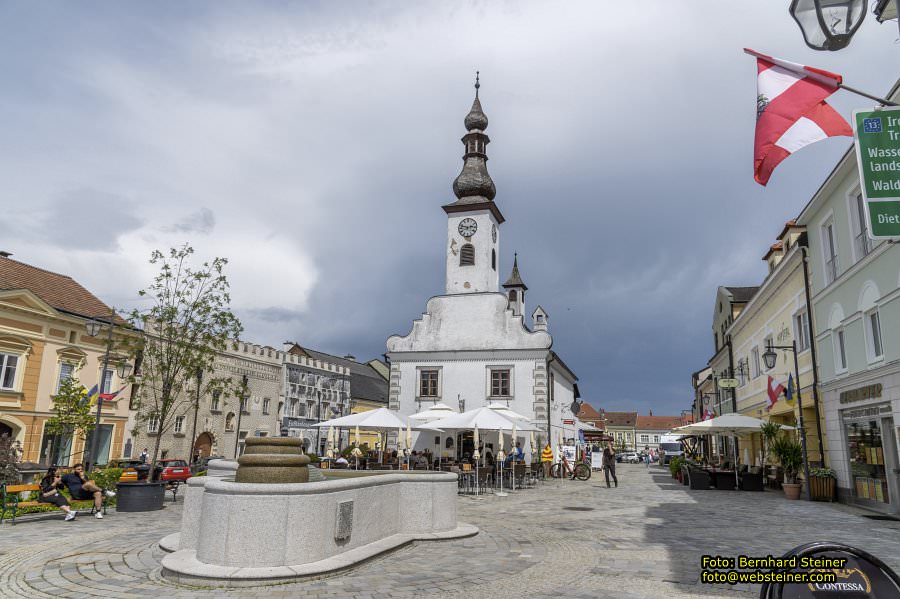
(140, 496)
(821, 488)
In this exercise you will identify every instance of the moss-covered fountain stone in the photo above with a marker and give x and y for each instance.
(273, 460)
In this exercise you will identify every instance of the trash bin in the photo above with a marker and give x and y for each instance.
(140, 496)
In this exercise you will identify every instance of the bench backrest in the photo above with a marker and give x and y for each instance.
(20, 488)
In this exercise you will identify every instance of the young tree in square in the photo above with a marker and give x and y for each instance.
(187, 323)
(71, 411)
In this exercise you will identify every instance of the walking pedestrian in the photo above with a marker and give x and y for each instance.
(609, 464)
(649, 456)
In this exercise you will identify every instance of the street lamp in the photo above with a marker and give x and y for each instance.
(245, 395)
(93, 328)
(828, 24)
(196, 408)
(770, 357)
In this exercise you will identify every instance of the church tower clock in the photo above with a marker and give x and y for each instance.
(473, 220)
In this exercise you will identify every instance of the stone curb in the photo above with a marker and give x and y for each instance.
(183, 567)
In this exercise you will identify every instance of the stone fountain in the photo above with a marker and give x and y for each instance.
(271, 518)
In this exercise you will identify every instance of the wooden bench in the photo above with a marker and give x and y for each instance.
(11, 501)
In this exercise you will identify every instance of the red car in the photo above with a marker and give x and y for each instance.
(173, 470)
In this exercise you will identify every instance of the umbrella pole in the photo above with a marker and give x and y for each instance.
(734, 445)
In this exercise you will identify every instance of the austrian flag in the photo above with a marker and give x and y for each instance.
(774, 392)
(791, 111)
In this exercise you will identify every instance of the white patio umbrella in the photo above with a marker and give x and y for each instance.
(356, 435)
(379, 419)
(504, 410)
(485, 419)
(726, 424)
(533, 446)
(435, 412)
(438, 410)
(476, 454)
(330, 441)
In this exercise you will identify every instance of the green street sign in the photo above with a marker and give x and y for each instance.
(877, 136)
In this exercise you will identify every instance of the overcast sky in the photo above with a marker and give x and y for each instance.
(312, 144)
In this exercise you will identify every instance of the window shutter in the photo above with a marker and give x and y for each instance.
(467, 255)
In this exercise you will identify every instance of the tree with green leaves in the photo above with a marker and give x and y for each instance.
(622, 447)
(71, 410)
(188, 322)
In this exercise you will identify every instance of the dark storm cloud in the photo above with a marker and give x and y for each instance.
(313, 145)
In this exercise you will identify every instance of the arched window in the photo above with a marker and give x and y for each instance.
(494, 259)
(229, 422)
(513, 295)
(467, 255)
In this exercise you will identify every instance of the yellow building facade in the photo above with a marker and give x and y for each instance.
(777, 315)
(43, 339)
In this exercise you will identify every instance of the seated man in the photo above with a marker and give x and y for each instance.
(519, 452)
(82, 489)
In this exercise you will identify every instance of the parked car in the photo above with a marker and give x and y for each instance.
(632, 458)
(131, 469)
(173, 470)
(620, 457)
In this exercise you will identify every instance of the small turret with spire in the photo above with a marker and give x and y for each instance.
(515, 289)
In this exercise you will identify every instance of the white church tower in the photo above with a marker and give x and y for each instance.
(473, 220)
(472, 346)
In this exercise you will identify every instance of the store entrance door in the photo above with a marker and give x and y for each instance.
(888, 433)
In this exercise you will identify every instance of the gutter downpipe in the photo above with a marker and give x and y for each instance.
(804, 247)
(549, 425)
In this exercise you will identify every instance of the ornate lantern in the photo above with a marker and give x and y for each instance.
(828, 24)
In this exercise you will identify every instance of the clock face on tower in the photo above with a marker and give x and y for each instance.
(468, 227)
(494, 233)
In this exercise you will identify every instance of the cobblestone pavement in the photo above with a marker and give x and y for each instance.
(643, 539)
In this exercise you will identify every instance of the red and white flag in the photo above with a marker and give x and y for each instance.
(791, 111)
(774, 393)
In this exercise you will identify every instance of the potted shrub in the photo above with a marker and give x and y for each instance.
(769, 432)
(821, 484)
(790, 455)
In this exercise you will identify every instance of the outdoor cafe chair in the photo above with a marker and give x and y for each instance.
(485, 479)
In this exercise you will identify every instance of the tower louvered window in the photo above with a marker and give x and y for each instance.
(494, 259)
(467, 255)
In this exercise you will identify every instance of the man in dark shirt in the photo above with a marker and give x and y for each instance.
(83, 489)
(609, 463)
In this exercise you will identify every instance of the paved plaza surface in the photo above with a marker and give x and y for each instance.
(643, 539)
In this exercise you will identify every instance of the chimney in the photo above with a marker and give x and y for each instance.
(5, 254)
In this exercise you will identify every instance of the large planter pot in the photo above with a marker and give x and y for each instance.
(821, 488)
(791, 490)
(140, 496)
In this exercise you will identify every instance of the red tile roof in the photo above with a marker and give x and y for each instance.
(587, 412)
(620, 418)
(59, 291)
(658, 423)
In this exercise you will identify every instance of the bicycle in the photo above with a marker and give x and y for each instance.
(581, 471)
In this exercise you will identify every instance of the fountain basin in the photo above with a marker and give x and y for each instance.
(248, 534)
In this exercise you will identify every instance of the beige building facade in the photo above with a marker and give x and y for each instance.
(777, 315)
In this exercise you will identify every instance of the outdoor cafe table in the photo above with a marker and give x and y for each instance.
(721, 479)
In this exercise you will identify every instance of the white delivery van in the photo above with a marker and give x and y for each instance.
(670, 446)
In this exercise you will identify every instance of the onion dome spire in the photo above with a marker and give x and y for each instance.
(474, 184)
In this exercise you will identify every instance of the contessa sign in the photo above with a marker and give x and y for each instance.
(877, 135)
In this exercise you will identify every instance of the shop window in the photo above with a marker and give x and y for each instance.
(866, 453)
